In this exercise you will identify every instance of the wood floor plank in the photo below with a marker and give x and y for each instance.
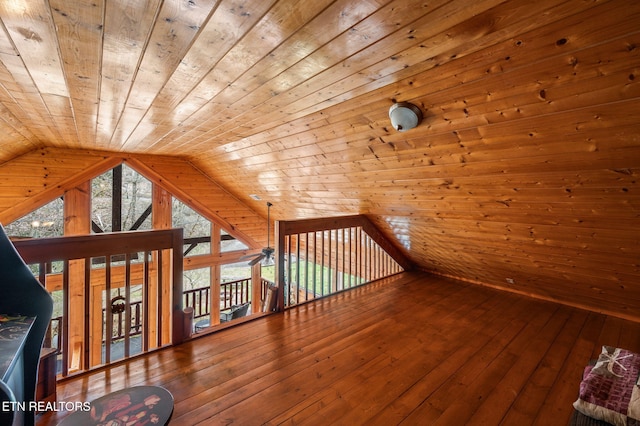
(411, 354)
(565, 387)
(411, 349)
(446, 362)
(466, 388)
(448, 359)
(406, 356)
(532, 396)
(500, 398)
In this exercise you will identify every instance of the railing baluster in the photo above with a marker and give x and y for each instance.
(372, 265)
(365, 265)
(127, 304)
(322, 242)
(329, 257)
(138, 318)
(306, 265)
(374, 261)
(336, 259)
(289, 268)
(315, 262)
(207, 300)
(357, 256)
(65, 318)
(109, 315)
(145, 303)
(298, 265)
(87, 314)
(342, 257)
(159, 290)
(350, 275)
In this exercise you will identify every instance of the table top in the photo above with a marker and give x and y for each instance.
(13, 332)
(138, 405)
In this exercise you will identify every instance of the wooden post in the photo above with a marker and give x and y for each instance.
(214, 294)
(178, 288)
(214, 314)
(160, 298)
(256, 287)
(279, 266)
(77, 221)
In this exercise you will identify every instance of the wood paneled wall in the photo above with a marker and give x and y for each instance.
(523, 174)
(36, 178)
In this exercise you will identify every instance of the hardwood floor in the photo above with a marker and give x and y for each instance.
(411, 349)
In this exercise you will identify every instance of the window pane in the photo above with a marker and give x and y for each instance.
(131, 201)
(197, 229)
(47, 221)
(229, 243)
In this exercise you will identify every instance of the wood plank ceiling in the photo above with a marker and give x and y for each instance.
(523, 173)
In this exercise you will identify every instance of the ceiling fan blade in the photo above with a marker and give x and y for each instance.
(256, 260)
(249, 256)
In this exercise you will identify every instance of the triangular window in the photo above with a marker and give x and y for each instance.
(47, 221)
(196, 228)
(120, 201)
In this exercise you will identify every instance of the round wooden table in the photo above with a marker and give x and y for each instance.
(135, 406)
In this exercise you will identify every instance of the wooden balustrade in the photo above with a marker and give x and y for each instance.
(107, 285)
(315, 258)
(319, 257)
(199, 300)
(234, 293)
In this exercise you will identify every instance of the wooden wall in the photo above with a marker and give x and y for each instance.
(37, 177)
(524, 174)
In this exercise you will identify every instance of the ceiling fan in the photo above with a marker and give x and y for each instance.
(266, 256)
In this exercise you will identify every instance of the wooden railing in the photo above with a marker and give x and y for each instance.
(199, 300)
(88, 287)
(232, 293)
(319, 257)
(238, 292)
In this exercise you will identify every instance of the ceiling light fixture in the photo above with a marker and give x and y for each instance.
(404, 116)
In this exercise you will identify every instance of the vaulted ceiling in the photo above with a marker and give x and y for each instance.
(523, 173)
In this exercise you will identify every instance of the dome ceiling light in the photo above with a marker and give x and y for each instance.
(404, 116)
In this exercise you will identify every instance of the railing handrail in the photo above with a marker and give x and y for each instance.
(38, 250)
